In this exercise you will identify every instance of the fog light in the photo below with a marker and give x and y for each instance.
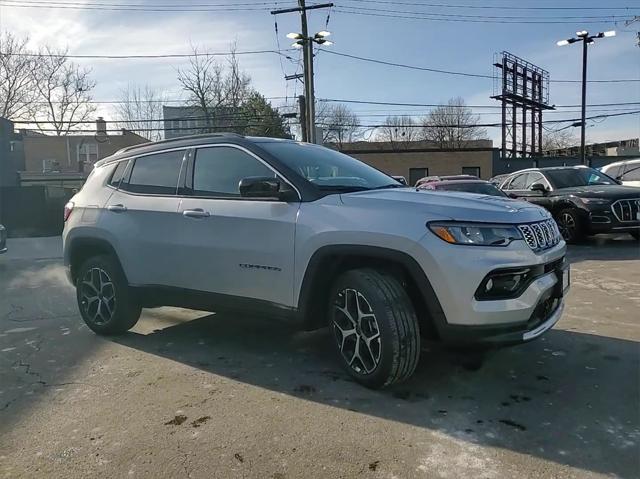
(504, 284)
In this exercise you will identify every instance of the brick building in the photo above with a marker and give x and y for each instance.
(415, 160)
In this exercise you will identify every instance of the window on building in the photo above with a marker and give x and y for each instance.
(87, 153)
(155, 174)
(217, 171)
(471, 170)
(416, 173)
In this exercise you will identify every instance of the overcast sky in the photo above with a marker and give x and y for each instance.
(448, 45)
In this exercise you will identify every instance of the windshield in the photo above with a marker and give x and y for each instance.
(479, 188)
(329, 169)
(572, 177)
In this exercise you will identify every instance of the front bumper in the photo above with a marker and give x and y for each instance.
(455, 273)
(607, 218)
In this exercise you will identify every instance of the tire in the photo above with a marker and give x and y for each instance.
(362, 302)
(104, 298)
(571, 225)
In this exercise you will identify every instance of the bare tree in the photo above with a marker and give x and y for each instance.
(210, 86)
(140, 111)
(398, 130)
(17, 88)
(340, 124)
(558, 139)
(452, 125)
(64, 92)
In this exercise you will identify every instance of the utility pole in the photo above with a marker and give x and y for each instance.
(303, 117)
(586, 39)
(306, 42)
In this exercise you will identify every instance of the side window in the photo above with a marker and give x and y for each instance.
(118, 174)
(155, 174)
(632, 172)
(217, 171)
(614, 171)
(518, 182)
(533, 178)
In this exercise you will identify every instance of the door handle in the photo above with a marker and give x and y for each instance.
(196, 213)
(117, 208)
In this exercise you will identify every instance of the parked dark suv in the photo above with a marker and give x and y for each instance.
(582, 200)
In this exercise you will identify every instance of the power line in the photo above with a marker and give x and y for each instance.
(601, 17)
(154, 56)
(483, 7)
(421, 16)
(134, 7)
(367, 102)
(465, 74)
(482, 125)
(379, 125)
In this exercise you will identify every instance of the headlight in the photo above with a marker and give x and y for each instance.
(479, 234)
(594, 201)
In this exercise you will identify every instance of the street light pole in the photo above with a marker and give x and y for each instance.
(586, 39)
(583, 153)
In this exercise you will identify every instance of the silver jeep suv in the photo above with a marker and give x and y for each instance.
(300, 232)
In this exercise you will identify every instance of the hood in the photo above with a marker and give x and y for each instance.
(612, 192)
(456, 205)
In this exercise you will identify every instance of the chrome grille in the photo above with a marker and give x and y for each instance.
(626, 210)
(541, 235)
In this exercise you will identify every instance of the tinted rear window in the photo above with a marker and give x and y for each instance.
(156, 174)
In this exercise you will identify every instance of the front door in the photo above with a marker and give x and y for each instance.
(235, 245)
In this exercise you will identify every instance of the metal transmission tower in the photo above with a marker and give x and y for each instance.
(523, 89)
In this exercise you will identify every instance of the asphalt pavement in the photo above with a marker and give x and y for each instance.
(199, 395)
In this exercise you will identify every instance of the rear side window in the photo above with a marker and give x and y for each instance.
(118, 174)
(217, 171)
(155, 174)
(519, 182)
(632, 173)
(613, 172)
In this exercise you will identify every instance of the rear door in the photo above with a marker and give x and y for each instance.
(142, 213)
(234, 245)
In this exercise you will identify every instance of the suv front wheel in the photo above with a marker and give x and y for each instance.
(375, 327)
(104, 298)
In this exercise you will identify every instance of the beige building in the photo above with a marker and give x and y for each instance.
(419, 159)
(72, 153)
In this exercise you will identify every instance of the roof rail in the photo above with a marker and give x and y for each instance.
(180, 138)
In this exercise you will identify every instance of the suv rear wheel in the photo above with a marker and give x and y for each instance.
(104, 298)
(375, 327)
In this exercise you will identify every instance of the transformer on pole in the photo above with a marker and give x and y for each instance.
(523, 89)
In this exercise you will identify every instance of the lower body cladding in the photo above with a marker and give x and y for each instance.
(486, 301)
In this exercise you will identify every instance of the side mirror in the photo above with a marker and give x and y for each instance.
(539, 187)
(266, 187)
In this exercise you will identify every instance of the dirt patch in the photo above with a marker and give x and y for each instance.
(176, 421)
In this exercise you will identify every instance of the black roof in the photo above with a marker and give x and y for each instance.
(185, 142)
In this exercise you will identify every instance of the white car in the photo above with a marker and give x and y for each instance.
(296, 231)
(628, 171)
